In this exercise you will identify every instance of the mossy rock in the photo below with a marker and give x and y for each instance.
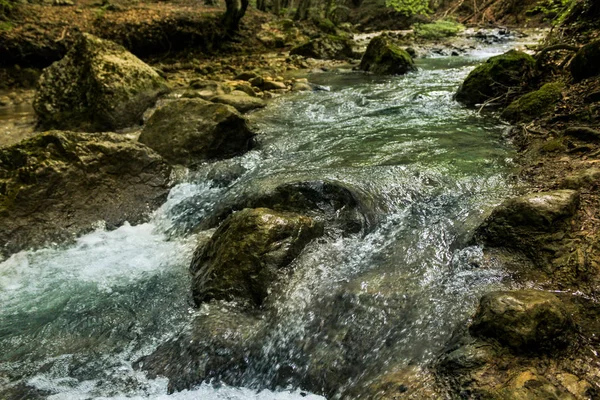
(586, 62)
(495, 77)
(57, 185)
(524, 320)
(190, 131)
(384, 57)
(534, 104)
(438, 30)
(248, 253)
(242, 103)
(97, 86)
(328, 47)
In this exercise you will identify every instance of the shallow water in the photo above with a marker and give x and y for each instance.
(74, 320)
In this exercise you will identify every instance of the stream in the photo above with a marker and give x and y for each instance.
(74, 320)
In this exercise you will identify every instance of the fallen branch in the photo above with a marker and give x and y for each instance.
(539, 57)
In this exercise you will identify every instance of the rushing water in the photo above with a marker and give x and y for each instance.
(73, 321)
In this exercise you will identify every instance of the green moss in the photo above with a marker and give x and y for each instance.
(495, 77)
(384, 57)
(438, 29)
(534, 104)
(325, 25)
(554, 10)
(552, 146)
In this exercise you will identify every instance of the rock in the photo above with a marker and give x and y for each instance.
(57, 185)
(494, 78)
(216, 346)
(189, 131)
(524, 320)
(5, 101)
(534, 104)
(97, 86)
(246, 76)
(586, 62)
(273, 85)
(246, 88)
(213, 86)
(518, 220)
(243, 103)
(247, 253)
(257, 82)
(586, 178)
(528, 385)
(301, 87)
(326, 48)
(583, 133)
(384, 57)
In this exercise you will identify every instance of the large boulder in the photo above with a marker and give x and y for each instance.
(534, 104)
(97, 86)
(326, 48)
(241, 102)
(59, 184)
(189, 131)
(495, 77)
(586, 62)
(384, 57)
(519, 221)
(247, 253)
(522, 319)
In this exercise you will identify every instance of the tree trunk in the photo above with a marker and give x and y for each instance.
(302, 11)
(234, 13)
(277, 7)
(261, 5)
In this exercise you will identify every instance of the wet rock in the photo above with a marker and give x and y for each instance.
(586, 62)
(523, 320)
(189, 131)
(301, 87)
(97, 86)
(56, 185)
(343, 208)
(247, 253)
(213, 86)
(517, 221)
(246, 76)
(528, 385)
(257, 81)
(494, 78)
(326, 48)
(273, 85)
(384, 57)
(245, 88)
(243, 103)
(215, 346)
(584, 133)
(586, 178)
(534, 104)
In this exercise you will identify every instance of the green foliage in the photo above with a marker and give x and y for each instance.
(438, 29)
(6, 26)
(555, 10)
(5, 7)
(409, 7)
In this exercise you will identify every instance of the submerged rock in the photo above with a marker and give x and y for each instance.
(326, 48)
(247, 253)
(57, 185)
(495, 77)
(215, 346)
(97, 86)
(189, 131)
(534, 104)
(586, 62)
(384, 57)
(518, 221)
(241, 103)
(522, 319)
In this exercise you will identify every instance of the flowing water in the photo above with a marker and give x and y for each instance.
(73, 320)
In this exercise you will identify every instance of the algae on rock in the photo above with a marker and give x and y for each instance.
(97, 86)
(496, 77)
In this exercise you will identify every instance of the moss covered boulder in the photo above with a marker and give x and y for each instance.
(328, 47)
(586, 62)
(520, 221)
(384, 57)
(534, 104)
(97, 86)
(495, 77)
(57, 185)
(248, 253)
(190, 131)
(522, 319)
